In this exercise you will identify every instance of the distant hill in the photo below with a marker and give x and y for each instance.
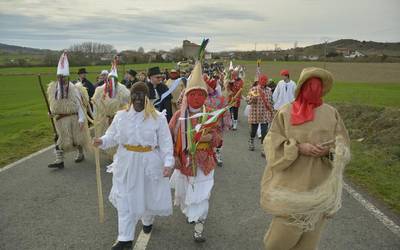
(365, 47)
(13, 49)
(340, 50)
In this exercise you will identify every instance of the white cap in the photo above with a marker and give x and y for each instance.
(104, 72)
(63, 65)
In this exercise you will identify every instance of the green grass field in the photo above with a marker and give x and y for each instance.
(25, 127)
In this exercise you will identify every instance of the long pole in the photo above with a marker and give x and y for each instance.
(98, 173)
(48, 108)
(99, 186)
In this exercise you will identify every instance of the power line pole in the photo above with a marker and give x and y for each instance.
(325, 51)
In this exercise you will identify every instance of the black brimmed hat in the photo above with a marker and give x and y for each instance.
(82, 71)
(154, 71)
(132, 72)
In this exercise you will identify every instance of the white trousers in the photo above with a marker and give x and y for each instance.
(127, 222)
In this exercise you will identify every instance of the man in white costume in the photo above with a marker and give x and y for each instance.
(142, 165)
(68, 105)
(284, 91)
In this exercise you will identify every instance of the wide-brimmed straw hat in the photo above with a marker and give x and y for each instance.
(325, 76)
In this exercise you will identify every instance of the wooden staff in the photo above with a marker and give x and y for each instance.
(48, 108)
(96, 123)
(99, 186)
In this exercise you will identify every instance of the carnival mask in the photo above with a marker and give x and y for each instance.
(196, 98)
(138, 100)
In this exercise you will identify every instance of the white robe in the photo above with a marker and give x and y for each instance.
(283, 93)
(138, 183)
(192, 194)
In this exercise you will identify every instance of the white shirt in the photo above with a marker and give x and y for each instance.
(284, 93)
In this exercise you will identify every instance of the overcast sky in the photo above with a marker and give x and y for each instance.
(163, 24)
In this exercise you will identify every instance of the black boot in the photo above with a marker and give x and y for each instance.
(59, 162)
(59, 165)
(251, 144)
(147, 229)
(122, 245)
(79, 156)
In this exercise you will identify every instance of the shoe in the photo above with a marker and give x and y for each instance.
(198, 232)
(147, 229)
(218, 156)
(79, 158)
(122, 245)
(251, 144)
(58, 165)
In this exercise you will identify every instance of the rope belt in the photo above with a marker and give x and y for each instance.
(138, 148)
(60, 116)
(203, 146)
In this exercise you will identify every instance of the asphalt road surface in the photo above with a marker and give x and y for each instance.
(42, 209)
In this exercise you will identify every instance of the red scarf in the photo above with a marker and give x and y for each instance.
(108, 88)
(309, 98)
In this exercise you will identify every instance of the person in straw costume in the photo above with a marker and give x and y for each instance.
(68, 106)
(178, 88)
(307, 148)
(142, 165)
(193, 177)
(108, 99)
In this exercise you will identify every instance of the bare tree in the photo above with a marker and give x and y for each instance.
(92, 48)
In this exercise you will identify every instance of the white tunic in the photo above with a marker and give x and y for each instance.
(284, 93)
(138, 176)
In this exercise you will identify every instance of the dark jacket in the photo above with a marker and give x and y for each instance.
(89, 86)
(129, 83)
(166, 103)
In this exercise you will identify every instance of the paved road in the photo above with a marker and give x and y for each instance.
(51, 209)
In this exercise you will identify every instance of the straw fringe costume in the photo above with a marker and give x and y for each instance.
(69, 111)
(302, 191)
(175, 94)
(106, 105)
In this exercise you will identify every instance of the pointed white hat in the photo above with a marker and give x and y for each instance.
(63, 65)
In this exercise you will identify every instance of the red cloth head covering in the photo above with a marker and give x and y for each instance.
(262, 80)
(284, 72)
(309, 98)
(234, 75)
(212, 83)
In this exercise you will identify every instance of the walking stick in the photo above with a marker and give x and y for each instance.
(99, 186)
(98, 172)
(48, 108)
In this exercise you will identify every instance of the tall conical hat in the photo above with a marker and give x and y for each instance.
(63, 65)
(113, 71)
(196, 80)
(230, 65)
